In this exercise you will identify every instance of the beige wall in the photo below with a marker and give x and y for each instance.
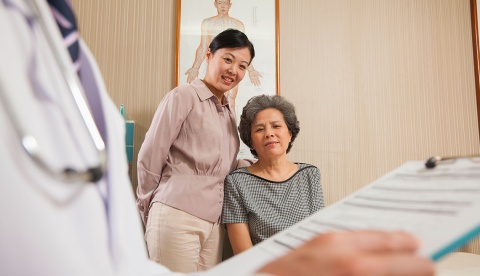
(375, 82)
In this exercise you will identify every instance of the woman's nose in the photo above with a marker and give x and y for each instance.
(268, 132)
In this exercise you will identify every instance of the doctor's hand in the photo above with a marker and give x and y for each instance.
(361, 253)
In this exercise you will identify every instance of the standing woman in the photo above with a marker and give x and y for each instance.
(192, 144)
(274, 193)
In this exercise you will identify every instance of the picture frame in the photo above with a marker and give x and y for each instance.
(259, 20)
(474, 11)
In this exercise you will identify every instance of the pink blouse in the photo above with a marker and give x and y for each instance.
(188, 151)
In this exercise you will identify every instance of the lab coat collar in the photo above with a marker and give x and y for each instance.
(21, 6)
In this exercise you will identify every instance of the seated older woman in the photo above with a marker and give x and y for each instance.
(274, 193)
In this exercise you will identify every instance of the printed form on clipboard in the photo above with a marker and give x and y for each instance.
(441, 206)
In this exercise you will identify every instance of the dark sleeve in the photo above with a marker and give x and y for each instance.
(316, 187)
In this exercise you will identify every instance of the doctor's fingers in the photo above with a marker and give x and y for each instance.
(368, 240)
(328, 260)
(390, 264)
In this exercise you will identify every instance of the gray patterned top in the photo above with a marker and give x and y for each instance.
(268, 206)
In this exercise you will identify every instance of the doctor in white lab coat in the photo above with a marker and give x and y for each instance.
(51, 226)
(48, 226)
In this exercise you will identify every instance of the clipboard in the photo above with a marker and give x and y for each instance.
(439, 204)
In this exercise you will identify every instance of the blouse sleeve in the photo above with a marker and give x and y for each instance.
(234, 210)
(163, 131)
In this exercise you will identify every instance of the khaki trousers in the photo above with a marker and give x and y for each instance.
(182, 242)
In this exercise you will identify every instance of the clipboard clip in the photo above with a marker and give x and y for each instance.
(434, 160)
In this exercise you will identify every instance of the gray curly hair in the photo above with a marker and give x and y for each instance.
(262, 102)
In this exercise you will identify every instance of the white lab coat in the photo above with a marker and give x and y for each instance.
(49, 227)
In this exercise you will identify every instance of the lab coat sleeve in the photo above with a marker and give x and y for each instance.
(165, 127)
(128, 252)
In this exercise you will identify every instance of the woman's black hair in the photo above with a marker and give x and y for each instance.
(232, 38)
